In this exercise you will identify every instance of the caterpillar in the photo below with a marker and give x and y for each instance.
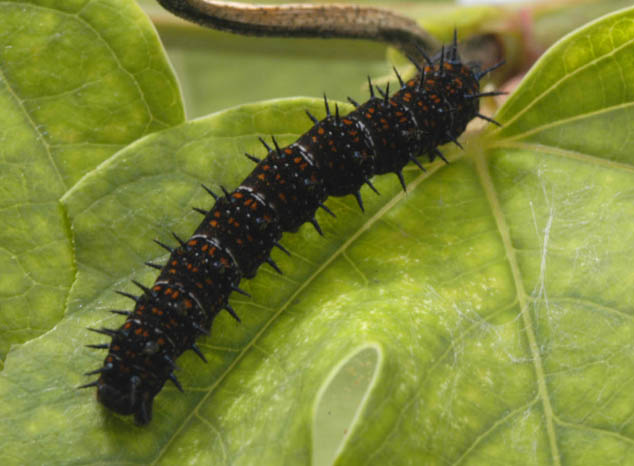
(335, 157)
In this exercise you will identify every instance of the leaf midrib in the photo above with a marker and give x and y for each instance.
(482, 169)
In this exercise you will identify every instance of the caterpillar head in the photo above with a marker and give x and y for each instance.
(131, 398)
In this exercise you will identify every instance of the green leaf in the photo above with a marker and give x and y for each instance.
(485, 317)
(78, 81)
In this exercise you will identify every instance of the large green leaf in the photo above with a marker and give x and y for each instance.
(485, 317)
(78, 81)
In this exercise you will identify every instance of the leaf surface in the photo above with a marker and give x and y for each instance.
(485, 317)
(78, 80)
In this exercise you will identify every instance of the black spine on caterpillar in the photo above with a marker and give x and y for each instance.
(334, 158)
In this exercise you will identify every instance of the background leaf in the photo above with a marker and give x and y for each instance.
(62, 113)
(488, 311)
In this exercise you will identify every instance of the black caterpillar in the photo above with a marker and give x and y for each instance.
(334, 158)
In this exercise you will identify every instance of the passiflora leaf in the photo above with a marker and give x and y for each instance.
(485, 317)
(79, 80)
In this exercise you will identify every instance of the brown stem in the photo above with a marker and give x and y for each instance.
(306, 20)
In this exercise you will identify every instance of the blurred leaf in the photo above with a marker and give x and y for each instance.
(485, 317)
(61, 114)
